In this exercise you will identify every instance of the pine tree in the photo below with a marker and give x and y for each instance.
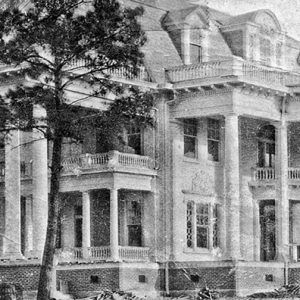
(50, 43)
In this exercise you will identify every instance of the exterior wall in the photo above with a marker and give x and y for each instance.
(68, 229)
(79, 279)
(115, 276)
(193, 179)
(100, 218)
(251, 277)
(294, 148)
(24, 276)
(215, 276)
(248, 160)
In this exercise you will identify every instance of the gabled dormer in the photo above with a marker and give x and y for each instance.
(256, 36)
(188, 30)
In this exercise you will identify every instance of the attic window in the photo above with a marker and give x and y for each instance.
(196, 54)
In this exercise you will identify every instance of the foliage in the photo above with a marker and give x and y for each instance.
(58, 45)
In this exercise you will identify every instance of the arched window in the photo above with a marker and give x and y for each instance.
(266, 146)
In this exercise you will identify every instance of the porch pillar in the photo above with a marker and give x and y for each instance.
(39, 184)
(232, 185)
(28, 226)
(114, 226)
(12, 233)
(86, 223)
(282, 203)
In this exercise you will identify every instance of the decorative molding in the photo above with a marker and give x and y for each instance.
(201, 184)
(190, 95)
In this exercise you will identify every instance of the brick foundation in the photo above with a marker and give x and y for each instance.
(24, 276)
(80, 280)
(195, 275)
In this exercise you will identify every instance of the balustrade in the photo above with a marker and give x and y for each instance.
(234, 67)
(134, 253)
(103, 253)
(294, 173)
(140, 74)
(104, 160)
(264, 174)
(99, 253)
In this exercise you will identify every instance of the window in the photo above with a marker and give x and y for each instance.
(265, 51)
(201, 225)
(278, 53)
(78, 226)
(134, 138)
(213, 139)
(266, 147)
(134, 223)
(195, 54)
(190, 138)
(202, 217)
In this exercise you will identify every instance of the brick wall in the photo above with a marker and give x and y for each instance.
(221, 278)
(294, 276)
(100, 218)
(255, 278)
(25, 277)
(79, 280)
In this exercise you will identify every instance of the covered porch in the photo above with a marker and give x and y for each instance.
(106, 225)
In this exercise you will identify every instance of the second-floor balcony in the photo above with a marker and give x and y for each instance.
(268, 175)
(110, 161)
(235, 70)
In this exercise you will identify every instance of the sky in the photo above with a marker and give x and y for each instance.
(287, 11)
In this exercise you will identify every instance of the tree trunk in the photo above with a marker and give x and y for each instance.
(45, 280)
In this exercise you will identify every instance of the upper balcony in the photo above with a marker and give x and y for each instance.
(234, 71)
(267, 176)
(107, 170)
(110, 161)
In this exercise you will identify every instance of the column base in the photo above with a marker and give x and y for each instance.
(36, 254)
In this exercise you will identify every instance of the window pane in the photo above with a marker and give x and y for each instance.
(78, 232)
(216, 242)
(189, 225)
(196, 54)
(190, 146)
(134, 141)
(190, 128)
(213, 150)
(202, 237)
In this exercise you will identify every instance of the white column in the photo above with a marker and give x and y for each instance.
(114, 226)
(86, 222)
(256, 231)
(39, 184)
(232, 185)
(282, 203)
(12, 233)
(28, 229)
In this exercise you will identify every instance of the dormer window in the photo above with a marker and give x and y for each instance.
(196, 53)
(265, 51)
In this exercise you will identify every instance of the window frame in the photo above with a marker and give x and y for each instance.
(139, 132)
(216, 139)
(194, 137)
(192, 224)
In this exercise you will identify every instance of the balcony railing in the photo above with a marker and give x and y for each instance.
(269, 174)
(235, 67)
(104, 161)
(127, 73)
(261, 174)
(126, 253)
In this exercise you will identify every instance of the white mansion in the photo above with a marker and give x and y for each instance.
(210, 196)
